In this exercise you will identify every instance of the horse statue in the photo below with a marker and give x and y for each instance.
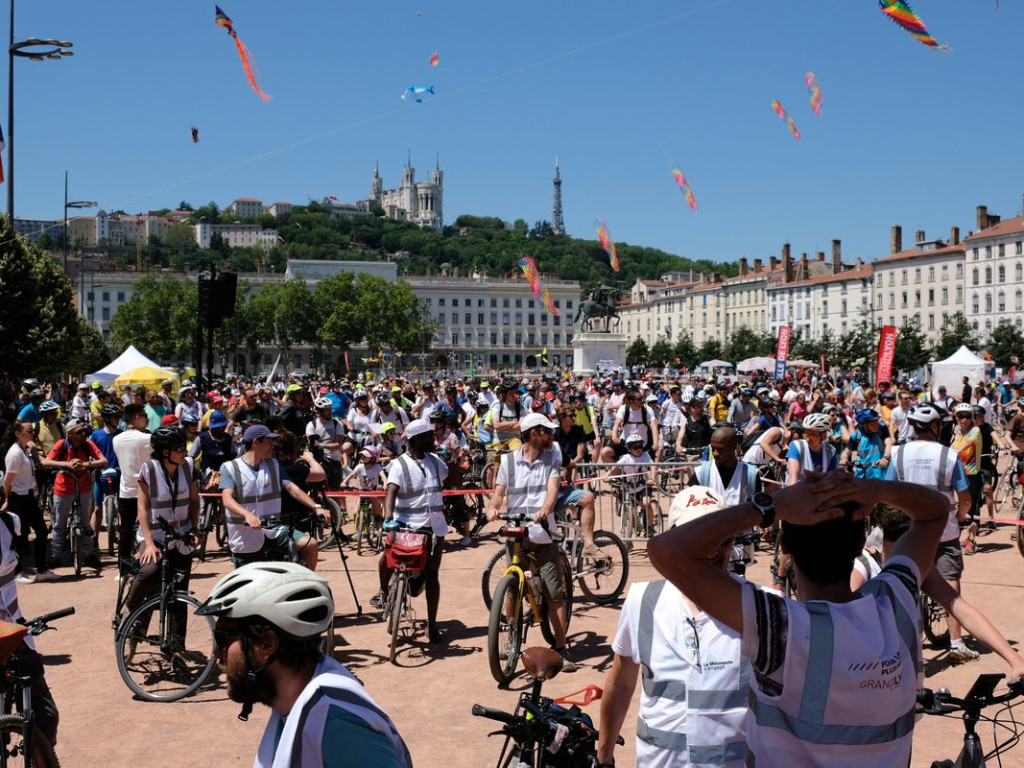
(601, 302)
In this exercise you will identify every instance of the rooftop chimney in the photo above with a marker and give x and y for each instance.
(787, 264)
(805, 268)
(896, 239)
(982, 211)
(743, 267)
(774, 262)
(821, 256)
(837, 257)
(919, 237)
(758, 265)
(954, 236)
(860, 263)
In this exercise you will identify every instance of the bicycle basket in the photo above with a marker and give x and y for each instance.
(11, 635)
(408, 548)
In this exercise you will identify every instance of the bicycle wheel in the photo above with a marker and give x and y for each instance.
(326, 536)
(627, 513)
(670, 479)
(395, 611)
(492, 574)
(12, 745)
(76, 544)
(220, 527)
(205, 524)
(165, 668)
(110, 522)
(656, 524)
(545, 624)
(362, 523)
(505, 634)
(1020, 531)
(933, 622)
(603, 580)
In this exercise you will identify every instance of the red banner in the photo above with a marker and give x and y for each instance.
(823, 364)
(348, 371)
(782, 352)
(886, 353)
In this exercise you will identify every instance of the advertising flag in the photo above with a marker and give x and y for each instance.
(886, 353)
(782, 352)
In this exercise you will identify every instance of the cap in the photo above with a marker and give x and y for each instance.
(693, 503)
(168, 420)
(255, 432)
(218, 419)
(76, 424)
(535, 420)
(97, 385)
(83, 385)
(418, 427)
(485, 384)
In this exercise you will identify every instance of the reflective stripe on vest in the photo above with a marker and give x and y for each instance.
(433, 485)
(160, 501)
(943, 483)
(254, 496)
(524, 490)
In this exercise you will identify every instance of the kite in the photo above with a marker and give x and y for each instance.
(781, 112)
(606, 243)
(195, 135)
(684, 185)
(549, 304)
(416, 92)
(900, 12)
(815, 91)
(529, 268)
(434, 59)
(251, 75)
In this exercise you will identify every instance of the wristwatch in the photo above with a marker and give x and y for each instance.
(765, 504)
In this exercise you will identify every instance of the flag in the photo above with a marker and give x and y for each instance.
(333, 197)
(886, 353)
(3, 146)
(544, 356)
(781, 351)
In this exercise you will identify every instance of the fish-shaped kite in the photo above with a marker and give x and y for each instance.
(815, 93)
(684, 185)
(529, 268)
(248, 66)
(900, 12)
(416, 92)
(434, 59)
(781, 112)
(607, 244)
(549, 304)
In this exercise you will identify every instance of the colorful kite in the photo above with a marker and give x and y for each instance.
(434, 59)
(684, 185)
(781, 112)
(607, 244)
(251, 75)
(815, 92)
(529, 268)
(416, 92)
(195, 135)
(549, 304)
(900, 12)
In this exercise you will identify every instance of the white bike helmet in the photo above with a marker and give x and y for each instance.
(925, 413)
(634, 439)
(819, 422)
(964, 408)
(288, 595)
(323, 402)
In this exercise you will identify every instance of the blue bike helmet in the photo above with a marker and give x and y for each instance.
(865, 414)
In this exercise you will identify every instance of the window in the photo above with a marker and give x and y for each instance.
(558, 320)
(479, 302)
(824, 309)
(892, 301)
(959, 271)
(1018, 301)
(975, 304)
(917, 275)
(440, 318)
(903, 277)
(843, 304)
(519, 303)
(504, 303)
(494, 303)
(106, 313)
(945, 295)
(931, 273)
(455, 339)
(120, 297)
(106, 295)
(440, 302)
(931, 297)
(430, 302)
(1019, 249)
(904, 304)
(455, 302)
(931, 322)
(529, 304)
(568, 339)
(89, 296)
(879, 301)
(557, 338)
(504, 339)
(974, 276)
(479, 318)
(974, 253)
(494, 318)
(1018, 272)
(988, 275)
(945, 271)
(1002, 272)
(544, 319)
(530, 318)
(468, 318)
(568, 304)
(519, 338)
(494, 339)
(297, 359)
(506, 318)
(1002, 249)
(959, 294)
(531, 339)
(892, 279)
(917, 298)
(1001, 302)
(988, 251)
(519, 318)
(544, 338)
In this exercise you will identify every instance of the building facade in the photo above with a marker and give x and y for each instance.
(420, 202)
(245, 206)
(994, 273)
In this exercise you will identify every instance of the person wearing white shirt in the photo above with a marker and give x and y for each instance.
(133, 449)
(900, 425)
(80, 403)
(22, 496)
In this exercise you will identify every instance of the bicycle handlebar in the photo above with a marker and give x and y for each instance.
(941, 702)
(38, 625)
(493, 714)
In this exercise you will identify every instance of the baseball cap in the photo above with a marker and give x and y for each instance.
(218, 419)
(418, 427)
(83, 385)
(485, 384)
(535, 420)
(255, 432)
(168, 420)
(693, 503)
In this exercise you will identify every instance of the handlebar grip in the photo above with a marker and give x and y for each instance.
(46, 618)
(493, 714)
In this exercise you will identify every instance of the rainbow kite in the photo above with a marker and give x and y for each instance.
(684, 185)
(900, 12)
(529, 268)
(815, 92)
(607, 244)
(781, 112)
(549, 304)
(251, 75)
(434, 59)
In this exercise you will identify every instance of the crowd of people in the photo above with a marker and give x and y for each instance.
(827, 460)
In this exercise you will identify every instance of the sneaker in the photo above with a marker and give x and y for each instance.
(969, 547)
(568, 665)
(377, 601)
(466, 541)
(594, 552)
(47, 576)
(26, 578)
(960, 654)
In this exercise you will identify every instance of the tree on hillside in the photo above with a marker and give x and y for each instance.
(160, 317)
(957, 331)
(912, 348)
(1006, 342)
(638, 352)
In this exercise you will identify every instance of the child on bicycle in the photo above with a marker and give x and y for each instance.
(637, 470)
(369, 476)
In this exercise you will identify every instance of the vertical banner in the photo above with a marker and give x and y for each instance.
(886, 353)
(782, 352)
(348, 370)
(822, 363)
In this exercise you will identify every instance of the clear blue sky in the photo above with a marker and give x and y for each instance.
(621, 92)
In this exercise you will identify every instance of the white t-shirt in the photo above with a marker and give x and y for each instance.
(328, 433)
(635, 469)
(80, 407)
(132, 449)
(419, 503)
(528, 486)
(360, 421)
(904, 432)
(633, 421)
(369, 476)
(671, 415)
(21, 470)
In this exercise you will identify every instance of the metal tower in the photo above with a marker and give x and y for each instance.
(557, 225)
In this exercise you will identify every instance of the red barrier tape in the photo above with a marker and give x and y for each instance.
(377, 494)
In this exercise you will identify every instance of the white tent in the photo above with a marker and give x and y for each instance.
(130, 359)
(752, 364)
(951, 371)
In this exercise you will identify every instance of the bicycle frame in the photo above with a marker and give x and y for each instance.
(523, 591)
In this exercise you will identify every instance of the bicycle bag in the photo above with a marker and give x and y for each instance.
(409, 548)
(11, 637)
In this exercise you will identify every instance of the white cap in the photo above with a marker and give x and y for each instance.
(535, 420)
(692, 503)
(418, 427)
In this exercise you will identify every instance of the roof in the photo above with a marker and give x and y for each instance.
(247, 200)
(846, 275)
(653, 282)
(281, 202)
(1014, 226)
(910, 253)
(763, 274)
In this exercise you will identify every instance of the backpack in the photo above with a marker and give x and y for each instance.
(643, 420)
(749, 441)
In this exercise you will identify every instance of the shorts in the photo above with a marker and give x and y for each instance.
(276, 549)
(977, 491)
(949, 559)
(332, 469)
(570, 497)
(548, 559)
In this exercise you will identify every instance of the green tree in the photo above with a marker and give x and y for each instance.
(160, 318)
(709, 350)
(957, 331)
(912, 349)
(638, 352)
(289, 310)
(338, 320)
(660, 353)
(685, 350)
(744, 343)
(39, 326)
(1006, 342)
(861, 341)
(92, 352)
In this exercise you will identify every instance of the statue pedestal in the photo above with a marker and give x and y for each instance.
(591, 347)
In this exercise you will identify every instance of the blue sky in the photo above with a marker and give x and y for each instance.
(621, 92)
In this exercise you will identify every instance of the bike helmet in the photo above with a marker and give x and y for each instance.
(686, 399)
(818, 422)
(746, 392)
(31, 383)
(979, 410)
(293, 598)
(439, 413)
(189, 418)
(925, 413)
(386, 427)
(828, 408)
(373, 450)
(49, 405)
(382, 398)
(482, 403)
(36, 393)
(864, 415)
(291, 389)
(166, 439)
(323, 402)
(361, 393)
(634, 439)
(509, 384)
(110, 409)
(963, 408)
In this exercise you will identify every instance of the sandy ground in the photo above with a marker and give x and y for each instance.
(429, 692)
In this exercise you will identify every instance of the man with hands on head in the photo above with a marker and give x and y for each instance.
(836, 675)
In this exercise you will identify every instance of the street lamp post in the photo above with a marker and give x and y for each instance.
(72, 204)
(34, 49)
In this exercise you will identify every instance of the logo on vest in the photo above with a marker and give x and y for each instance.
(886, 674)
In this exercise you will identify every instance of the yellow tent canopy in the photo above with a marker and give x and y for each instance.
(149, 375)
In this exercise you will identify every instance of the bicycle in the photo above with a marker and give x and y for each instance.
(369, 527)
(933, 622)
(541, 732)
(74, 535)
(109, 483)
(178, 658)
(406, 551)
(633, 512)
(782, 578)
(1009, 487)
(508, 623)
(211, 520)
(980, 696)
(18, 736)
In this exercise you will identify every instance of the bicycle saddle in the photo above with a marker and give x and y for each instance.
(542, 663)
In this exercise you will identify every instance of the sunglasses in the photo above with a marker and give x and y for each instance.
(223, 637)
(635, 446)
(965, 415)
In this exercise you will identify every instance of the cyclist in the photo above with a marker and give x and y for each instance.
(391, 444)
(733, 480)
(386, 411)
(268, 644)
(741, 411)
(133, 449)
(414, 500)
(508, 412)
(21, 498)
(695, 435)
(587, 421)
(76, 457)
(967, 441)
(329, 433)
(189, 404)
(251, 488)
(357, 422)
(103, 438)
(870, 446)
(632, 418)
(301, 467)
(812, 453)
(637, 470)
(528, 481)
(293, 413)
(718, 405)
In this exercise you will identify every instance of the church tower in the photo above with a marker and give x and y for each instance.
(557, 225)
(377, 188)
